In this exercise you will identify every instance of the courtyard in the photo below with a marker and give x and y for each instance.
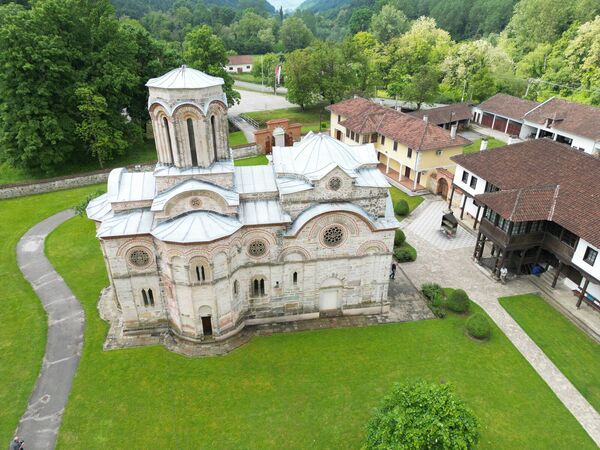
(313, 389)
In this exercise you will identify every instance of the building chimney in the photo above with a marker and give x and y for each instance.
(484, 144)
(453, 131)
(426, 119)
(512, 140)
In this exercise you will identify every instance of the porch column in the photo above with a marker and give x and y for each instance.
(387, 164)
(583, 292)
(558, 270)
(400, 173)
(537, 134)
(506, 127)
(462, 209)
(499, 262)
(451, 197)
(493, 121)
(521, 262)
(538, 254)
(477, 217)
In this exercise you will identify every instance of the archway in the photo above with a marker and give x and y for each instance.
(442, 187)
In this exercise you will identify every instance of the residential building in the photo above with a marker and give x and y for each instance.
(571, 123)
(561, 120)
(198, 248)
(410, 150)
(538, 202)
(458, 114)
(239, 64)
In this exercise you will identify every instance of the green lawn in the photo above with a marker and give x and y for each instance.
(474, 147)
(309, 118)
(258, 160)
(573, 352)
(237, 138)
(412, 200)
(290, 390)
(246, 77)
(145, 153)
(23, 329)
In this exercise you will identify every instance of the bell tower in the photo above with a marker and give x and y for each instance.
(188, 109)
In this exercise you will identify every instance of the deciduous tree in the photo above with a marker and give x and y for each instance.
(295, 34)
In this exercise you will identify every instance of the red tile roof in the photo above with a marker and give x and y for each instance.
(541, 180)
(445, 114)
(575, 118)
(508, 106)
(364, 116)
(239, 60)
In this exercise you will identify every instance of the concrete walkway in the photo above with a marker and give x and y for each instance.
(258, 101)
(455, 268)
(244, 127)
(258, 87)
(41, 421)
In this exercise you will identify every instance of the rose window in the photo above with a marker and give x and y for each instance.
(257, 248)
(333, 236)
(335, 183)
(139, 258)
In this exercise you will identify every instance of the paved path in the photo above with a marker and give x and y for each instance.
(455, 268)
(41, 421)
(259, 101)
(244, 126)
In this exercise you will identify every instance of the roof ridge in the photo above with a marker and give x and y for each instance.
(554, 198)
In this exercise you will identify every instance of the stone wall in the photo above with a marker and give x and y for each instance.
(244, 151)
(59, 183)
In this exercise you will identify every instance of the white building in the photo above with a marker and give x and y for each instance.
(200, 248)
(239, 64)
(538, 204)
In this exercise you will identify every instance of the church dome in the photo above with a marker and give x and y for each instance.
(184, 78)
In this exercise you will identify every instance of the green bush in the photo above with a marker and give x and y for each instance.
(431, 290)
(458, 301)
(401, 208)
(422, 415)
(405, 253)
(478, 326)
(399, 238)
(438, 311)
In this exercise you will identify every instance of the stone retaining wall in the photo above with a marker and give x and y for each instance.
(60, 183)
(244, 151)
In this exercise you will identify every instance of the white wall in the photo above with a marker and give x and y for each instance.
(233, 68)
(578, 141)
(470, 207)
(579, 262)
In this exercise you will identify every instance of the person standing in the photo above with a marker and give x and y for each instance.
(393, 272)
(16, 444)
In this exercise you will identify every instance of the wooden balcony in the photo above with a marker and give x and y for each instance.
(524, 241)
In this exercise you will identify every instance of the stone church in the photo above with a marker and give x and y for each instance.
(199, 248)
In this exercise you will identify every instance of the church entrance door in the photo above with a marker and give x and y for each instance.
(206, 326)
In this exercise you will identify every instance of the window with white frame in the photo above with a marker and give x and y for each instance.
(590, 256)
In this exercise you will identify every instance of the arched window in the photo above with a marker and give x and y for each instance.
(190, 127)
(150, 297)
(214, 136)
(295, 278)
(258, 287)
(166, 125)
(200, 273)
(145, 297)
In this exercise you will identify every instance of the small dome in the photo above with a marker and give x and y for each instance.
(184, 78)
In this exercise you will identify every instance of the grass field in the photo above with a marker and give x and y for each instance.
(246, 77)
(573, 352)
(258, 160)
(309, 118)
(145, 153)
(294, 390)
(237, 138)
(474, 147)
(23, 330)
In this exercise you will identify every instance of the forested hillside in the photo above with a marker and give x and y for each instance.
(72, 84)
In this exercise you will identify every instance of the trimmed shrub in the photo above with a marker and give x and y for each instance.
(401, 208)
(399, 238)
(438, 311)
(422, 415)
(458, 301)
(478, 326)
(431, 290)
(405, 253)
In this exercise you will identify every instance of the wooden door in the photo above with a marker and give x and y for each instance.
(407, 172)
